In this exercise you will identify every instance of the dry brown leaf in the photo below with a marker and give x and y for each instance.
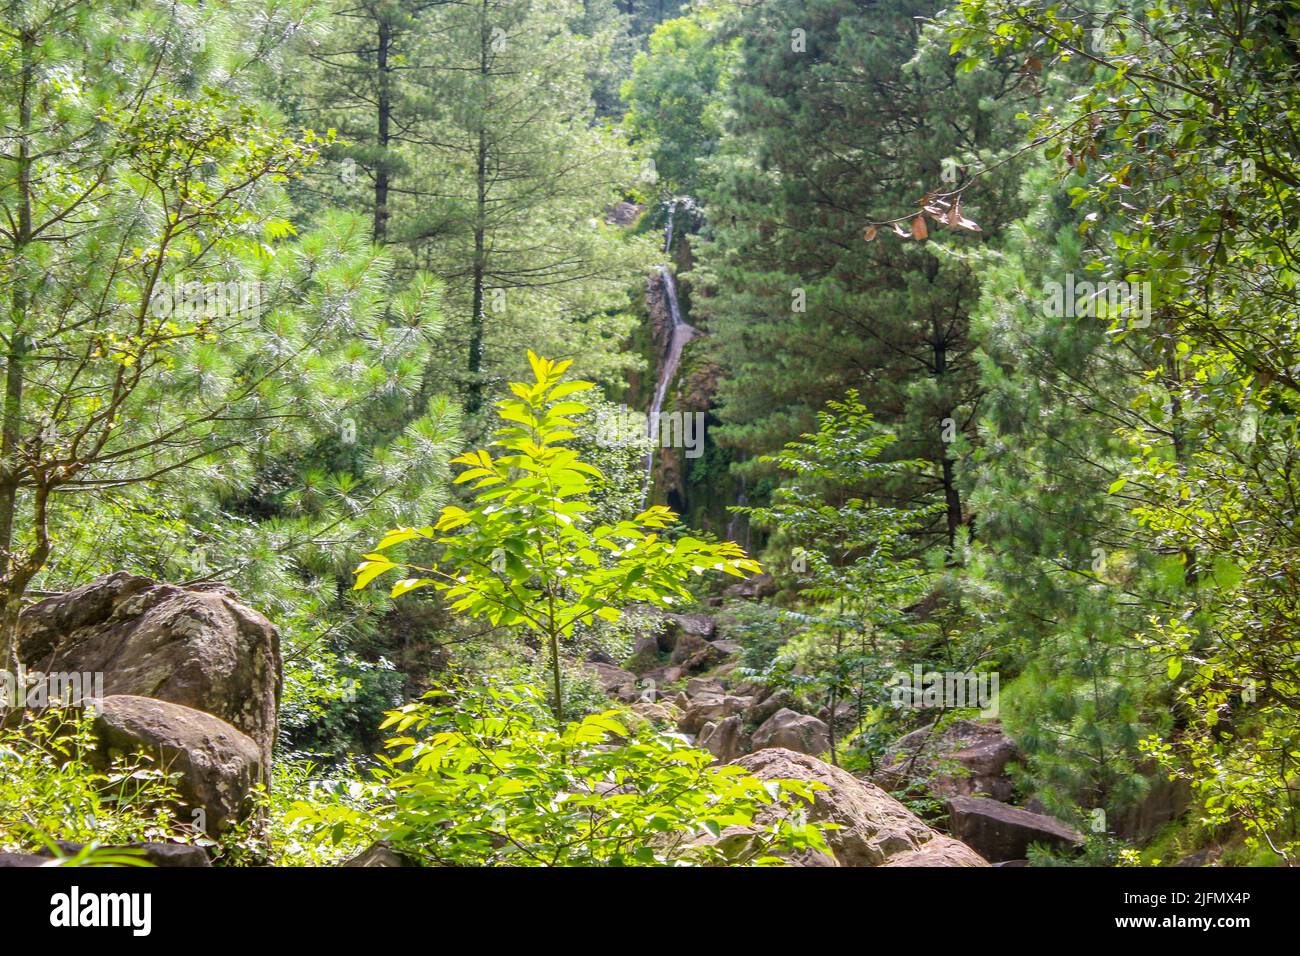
(956, 220)
(919, 231)
(869, 233)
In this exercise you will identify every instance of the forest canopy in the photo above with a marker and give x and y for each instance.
(617, 431)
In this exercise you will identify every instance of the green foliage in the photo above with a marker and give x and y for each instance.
(674, 96)
(848, 546)
(525, 554)
(473, 150)
(277, 834)
(479, 776)
(1172, 129)
(236, 349)
(840, 115)
(207, 391)
(50, 789)
(850, 554)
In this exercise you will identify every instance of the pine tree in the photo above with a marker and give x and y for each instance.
(840, 116)
(177, 361)
(492, 173)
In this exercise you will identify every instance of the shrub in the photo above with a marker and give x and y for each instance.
(50, 790)
(483, 777)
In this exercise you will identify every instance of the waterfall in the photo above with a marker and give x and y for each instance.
(681, 334)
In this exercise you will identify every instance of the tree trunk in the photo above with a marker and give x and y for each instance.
(951, 496)
(557, 685)
(382, 135)
(11, 470)
(474, 395)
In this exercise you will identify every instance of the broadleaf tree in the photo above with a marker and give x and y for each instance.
(523, 553)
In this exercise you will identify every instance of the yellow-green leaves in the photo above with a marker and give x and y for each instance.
(524, 552)
(398, 535)
(370, 568)
(467, 769)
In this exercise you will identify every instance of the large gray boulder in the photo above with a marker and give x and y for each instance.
(378, 855)
(767, 704)
(170, 855)
(709, 708)
(693, 653)
(218, 766)
(699, 686)
(666, 628)
(753, 588)
(698, 625)
(726, 739)
(801, 733)
(197, 646)
(940, 851)
(1163, 800)
(874, 828)
(964, 758)
(999, 832)
(614, 681)
(645, 654)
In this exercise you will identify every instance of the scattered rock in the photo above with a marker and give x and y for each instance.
(1165, 800)
(613, 680)
(963, 759)
(697, 625)
(378, 854)
(670, 674)
(798, 732)
(999, 832)
(694, 653)
(725, 739)
(667, 628)
(622, 213)
(939, 851)
(844, 713)
(709, 708)
(725, 670)
(168, 855)
(197, 646)
(765, 707)
(659, 714)
(645, 654)
(752, 589)
(697, 686)
(218, 765)
(874, 827)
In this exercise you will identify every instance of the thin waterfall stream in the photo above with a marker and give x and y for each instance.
(680, 334)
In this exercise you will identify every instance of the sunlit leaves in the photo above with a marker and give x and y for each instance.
(524, 553)
(481, 777)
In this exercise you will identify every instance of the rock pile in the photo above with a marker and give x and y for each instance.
(191, 676)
